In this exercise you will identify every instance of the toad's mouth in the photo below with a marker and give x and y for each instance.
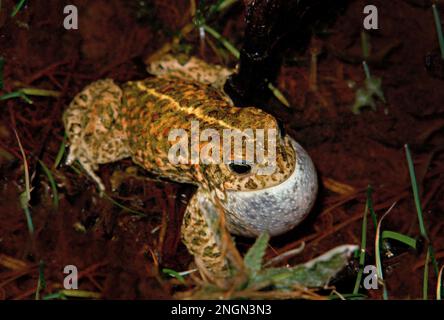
(277, 209)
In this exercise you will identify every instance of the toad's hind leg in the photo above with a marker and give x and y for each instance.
(93, 127)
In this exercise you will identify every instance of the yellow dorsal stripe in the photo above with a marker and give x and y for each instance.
(188, 110)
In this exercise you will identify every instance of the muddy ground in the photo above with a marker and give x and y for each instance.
(120, 254)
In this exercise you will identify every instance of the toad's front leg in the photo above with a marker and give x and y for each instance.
(202, 234)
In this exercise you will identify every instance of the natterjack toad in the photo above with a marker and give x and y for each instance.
(147, 120)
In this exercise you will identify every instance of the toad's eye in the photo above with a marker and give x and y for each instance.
(240, 168)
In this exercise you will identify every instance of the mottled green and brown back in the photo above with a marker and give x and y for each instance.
(154, 106)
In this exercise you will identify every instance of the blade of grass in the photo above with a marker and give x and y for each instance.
(174, 274)
(24, 203)
(219, 6)
(415, 192)
(25, 92)
(378, 253)
(17, 7)
(81, 294)
(121, 206)
(366, 69)
(411, 242)
(16, 94)
(438, 29)
(55, 195)
(278, 94)
(370, 206)
(25, 196)
(57, 295)
(418, 206)
(439, 284)
(225, 4)
(365, 44)
(77, 167)
(41, 283)
(61, 152)
(348, 296)
(222, 40)
(26, 168)
(40, 92)
(363, 246)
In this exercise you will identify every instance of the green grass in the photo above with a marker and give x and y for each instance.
(55, 195)
(222, 40)
(16, 94)
(393, 235)
(366, 70)
(378, 253)
(53, 296)
(438, 29)
(221, 5)
(77, 168)
(439, 284)
(365, 44)
(25, 196)
(409, 241)
(18, 7)
(40, 92)
(418, 206)
(61, 152)
(363, 243)
(348, 296)
(430, 252)
(121, 206)
(25, 92)
(41, 283)
(366, 47)
(65, 294)
(174, 274)
(24, 203)
(380, 235)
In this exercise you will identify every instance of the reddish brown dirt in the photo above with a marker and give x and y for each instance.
(119, 254)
